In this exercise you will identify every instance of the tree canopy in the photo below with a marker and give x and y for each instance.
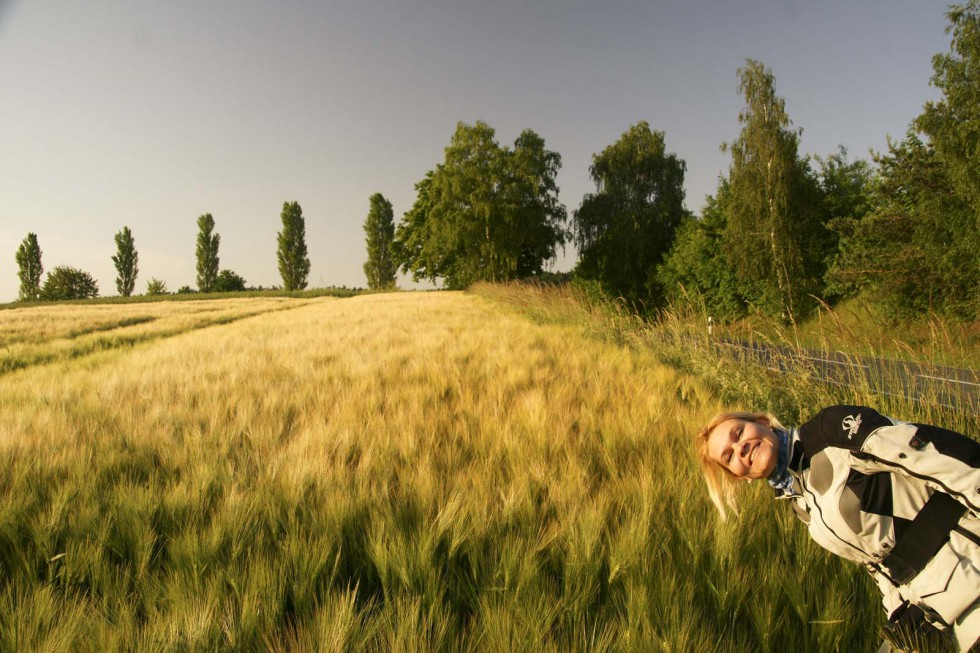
(696, 264)
(915, 252)
(229, 281)
(65, 282)
(774, 238)
(486, 213)
(625, 228)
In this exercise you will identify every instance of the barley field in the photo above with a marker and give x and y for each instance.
(398, 472)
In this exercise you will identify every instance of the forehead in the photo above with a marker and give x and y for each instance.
(721, 436)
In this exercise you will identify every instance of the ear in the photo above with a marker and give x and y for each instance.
(764, 421)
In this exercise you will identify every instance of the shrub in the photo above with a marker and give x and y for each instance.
(228, 281)
(156, 287)
(66, 282)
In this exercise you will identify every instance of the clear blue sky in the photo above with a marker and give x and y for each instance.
(148, 114)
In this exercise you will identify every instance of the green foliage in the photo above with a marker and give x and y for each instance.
(774, 239)
(953, 123)
(64, 283)
(29, 268)
(228, 281)
(486, 213)
(379, 230)
(847, 190)
(696, 268)
(185, 290)
(294, 265)
(846, 186)
(126, 261)
(413, 249)
(155, 287)
(207, 253)
(624, 229)
(916, 252)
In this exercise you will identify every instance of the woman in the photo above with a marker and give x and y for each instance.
(902, 499)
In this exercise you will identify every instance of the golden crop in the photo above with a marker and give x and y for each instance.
(415, 471)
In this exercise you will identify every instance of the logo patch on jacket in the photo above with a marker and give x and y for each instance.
(851, 424)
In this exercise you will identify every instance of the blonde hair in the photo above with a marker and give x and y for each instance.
(721, 483)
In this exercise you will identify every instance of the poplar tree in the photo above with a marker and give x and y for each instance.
(771, 203)
(294, 265)
(126, 262)
(29, 268)
(207, 253)
(379, 231)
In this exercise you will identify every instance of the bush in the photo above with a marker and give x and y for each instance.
(66, 282)
(228, 281)
(156, 287)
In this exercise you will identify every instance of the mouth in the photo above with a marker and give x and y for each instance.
(752, 453)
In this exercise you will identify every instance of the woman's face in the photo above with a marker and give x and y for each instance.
(746, 449)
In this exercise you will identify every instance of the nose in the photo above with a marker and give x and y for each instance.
(743, 450)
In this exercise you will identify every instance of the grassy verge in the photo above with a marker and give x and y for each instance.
(790, 383)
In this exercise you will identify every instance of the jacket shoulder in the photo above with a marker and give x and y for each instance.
(843, 426)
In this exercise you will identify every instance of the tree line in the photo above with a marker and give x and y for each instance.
(66, 282)
(782, 232)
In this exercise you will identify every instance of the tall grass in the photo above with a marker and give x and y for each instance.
(406, 472)
(790, 379)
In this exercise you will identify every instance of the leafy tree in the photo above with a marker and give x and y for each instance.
(207, 253)
(228, 281)
(916, 251)
(774, 239)
(696, 266)
(64, 283)
(29, 268)
(294, 266)
(535, 216)
(953, 123)
(379, 230)
(412, 247)
(156, 287)
(846, 186)
(847, 190)
(625, 228)
(126, 260)
(486, 213)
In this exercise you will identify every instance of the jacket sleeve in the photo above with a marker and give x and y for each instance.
(946, 461)
(890, 598)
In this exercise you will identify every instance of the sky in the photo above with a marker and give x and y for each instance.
(148, 114)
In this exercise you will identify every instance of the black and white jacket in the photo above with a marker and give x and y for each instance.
(901, 499)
